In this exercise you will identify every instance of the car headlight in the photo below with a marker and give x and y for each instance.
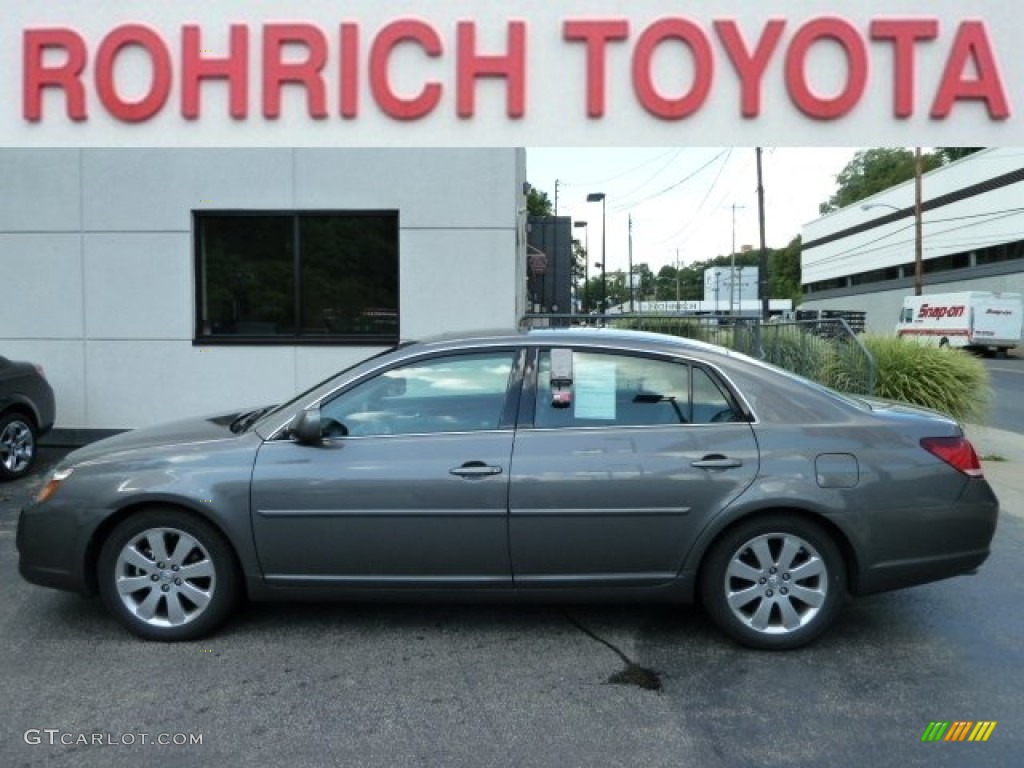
(53, 482)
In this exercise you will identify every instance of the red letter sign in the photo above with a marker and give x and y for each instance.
(67, 76)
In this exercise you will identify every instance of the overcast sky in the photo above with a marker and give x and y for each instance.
(682, 198)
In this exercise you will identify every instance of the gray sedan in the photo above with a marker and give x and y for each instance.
(543, 465)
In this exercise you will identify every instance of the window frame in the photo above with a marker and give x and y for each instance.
(296, 338)
(531, 388)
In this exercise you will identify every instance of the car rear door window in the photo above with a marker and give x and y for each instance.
(600, 389)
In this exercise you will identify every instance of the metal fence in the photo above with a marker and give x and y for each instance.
(827, 350)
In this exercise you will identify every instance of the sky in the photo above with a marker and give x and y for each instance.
(681, 199)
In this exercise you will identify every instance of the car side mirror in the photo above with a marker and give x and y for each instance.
(306, 428)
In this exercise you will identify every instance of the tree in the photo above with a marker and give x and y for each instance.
(784, 271)
(579, 272)
(643, 282)
(873, 170)
(951, 154)
(538, 203)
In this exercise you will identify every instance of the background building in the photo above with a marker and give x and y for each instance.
(728, 287)
(862, 257)
(551, 290)
(157, 284)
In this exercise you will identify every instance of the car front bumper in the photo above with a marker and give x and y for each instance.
(53, 546)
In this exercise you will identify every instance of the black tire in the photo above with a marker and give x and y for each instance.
(18, 446)
(184, 591)
(785, 577)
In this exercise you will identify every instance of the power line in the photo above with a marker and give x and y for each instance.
(627, 172)
(700, 207)
(673, 186)
(649, 179)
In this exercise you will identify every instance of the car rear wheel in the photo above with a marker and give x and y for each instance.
(168, 575)
(17, 446)
(774, 583)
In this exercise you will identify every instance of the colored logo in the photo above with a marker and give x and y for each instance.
(958, 730)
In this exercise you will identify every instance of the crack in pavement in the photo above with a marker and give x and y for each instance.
(632, 673)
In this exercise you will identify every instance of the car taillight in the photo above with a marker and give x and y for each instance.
(955, 451)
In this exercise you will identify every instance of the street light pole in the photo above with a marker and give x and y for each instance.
(599, 197)
(586, 262)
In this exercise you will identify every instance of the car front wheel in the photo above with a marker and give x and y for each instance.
(168, 575)
(17, 446)
(774, 583)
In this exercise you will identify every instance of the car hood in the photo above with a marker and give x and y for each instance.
(186, 431)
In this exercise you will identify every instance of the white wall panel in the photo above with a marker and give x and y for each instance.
(140, 383)
(457, 281)
(40, 190)
(138, 286)
(133, 189)
(439, 188)
(41, 283)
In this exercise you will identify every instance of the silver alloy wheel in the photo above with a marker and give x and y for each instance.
(776, 583)
(165, 577)
(17, 446)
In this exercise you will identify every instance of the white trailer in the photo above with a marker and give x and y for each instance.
(988, 322)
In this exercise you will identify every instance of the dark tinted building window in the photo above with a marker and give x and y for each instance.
(297, 277)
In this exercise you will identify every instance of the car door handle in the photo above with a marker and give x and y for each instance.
(716, 461)
(475, 469)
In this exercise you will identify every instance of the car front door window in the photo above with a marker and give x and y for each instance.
(453, 393)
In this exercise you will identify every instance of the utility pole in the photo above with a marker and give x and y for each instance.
(918, 255)
(632, 309)
(763, 259)
(732, 260)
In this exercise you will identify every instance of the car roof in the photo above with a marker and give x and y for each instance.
(588, 335)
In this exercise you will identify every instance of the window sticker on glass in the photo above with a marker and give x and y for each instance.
(595, 389)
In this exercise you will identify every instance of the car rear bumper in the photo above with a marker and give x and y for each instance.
(932, 544)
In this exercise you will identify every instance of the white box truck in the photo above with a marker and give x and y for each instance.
(988, 322)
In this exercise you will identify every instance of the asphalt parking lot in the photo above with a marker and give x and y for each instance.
(441, 685)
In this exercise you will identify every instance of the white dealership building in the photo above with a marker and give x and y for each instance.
(862, 257)
(154, 284)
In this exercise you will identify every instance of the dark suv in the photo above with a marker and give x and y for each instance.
(26, 412)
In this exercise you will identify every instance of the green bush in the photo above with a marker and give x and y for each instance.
(948, 380)
(686, 327)
(794, 349)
